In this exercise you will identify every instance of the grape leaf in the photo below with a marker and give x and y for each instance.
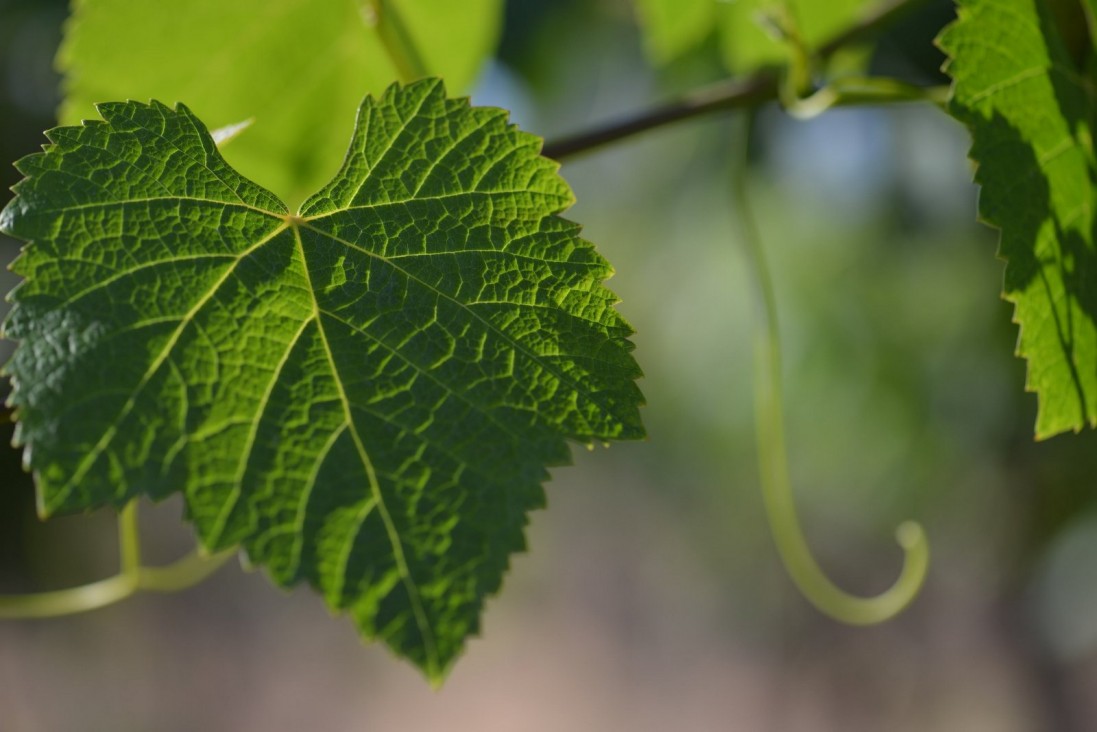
(674, 27)
(291, 66)
(1029, 110)
(364, 395)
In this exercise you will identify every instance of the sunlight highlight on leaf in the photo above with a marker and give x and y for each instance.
(1030, 112)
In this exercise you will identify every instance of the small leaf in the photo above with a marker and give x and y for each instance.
(364, 395)
(1030, 111)
(291, 66)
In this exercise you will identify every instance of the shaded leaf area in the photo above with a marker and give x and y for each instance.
(364, 395)
(747, 39)
(292, 67)
(1029, 108)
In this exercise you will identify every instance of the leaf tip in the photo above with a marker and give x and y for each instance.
(437, 678)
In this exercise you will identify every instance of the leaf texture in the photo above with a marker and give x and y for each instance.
(1030, 109)
(363, 395)
(291, 67)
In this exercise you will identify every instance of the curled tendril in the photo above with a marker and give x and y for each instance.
(785, 525)
(805, 572)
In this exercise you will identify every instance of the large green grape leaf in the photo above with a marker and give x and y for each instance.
(290, 66)
(673, 27)
(1030, 113)
(364, 395)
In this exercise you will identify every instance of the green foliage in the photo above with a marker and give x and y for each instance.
(364, 395)
(1030, 111)
(747, 43)
(747, 29)
(293, 67)
(674, 27)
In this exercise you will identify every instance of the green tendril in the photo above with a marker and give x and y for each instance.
(792, 546)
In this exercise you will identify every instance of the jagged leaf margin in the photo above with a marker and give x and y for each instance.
(364, 395)
(1030, 109)
(289, 67)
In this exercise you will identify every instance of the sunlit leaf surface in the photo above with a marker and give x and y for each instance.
(1030, 112)
(364, 395)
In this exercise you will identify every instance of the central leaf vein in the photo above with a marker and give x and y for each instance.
(395, 542)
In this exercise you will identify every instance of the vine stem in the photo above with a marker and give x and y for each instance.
(132, 577)
(385, 18)
(765, 85)
(785, 526)
(747, 92)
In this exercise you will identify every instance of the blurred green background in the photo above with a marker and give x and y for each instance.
(652, 597)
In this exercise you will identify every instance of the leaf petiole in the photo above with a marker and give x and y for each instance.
(131, 579)
(385, 19)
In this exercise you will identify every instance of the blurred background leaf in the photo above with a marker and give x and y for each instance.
(293, 67)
